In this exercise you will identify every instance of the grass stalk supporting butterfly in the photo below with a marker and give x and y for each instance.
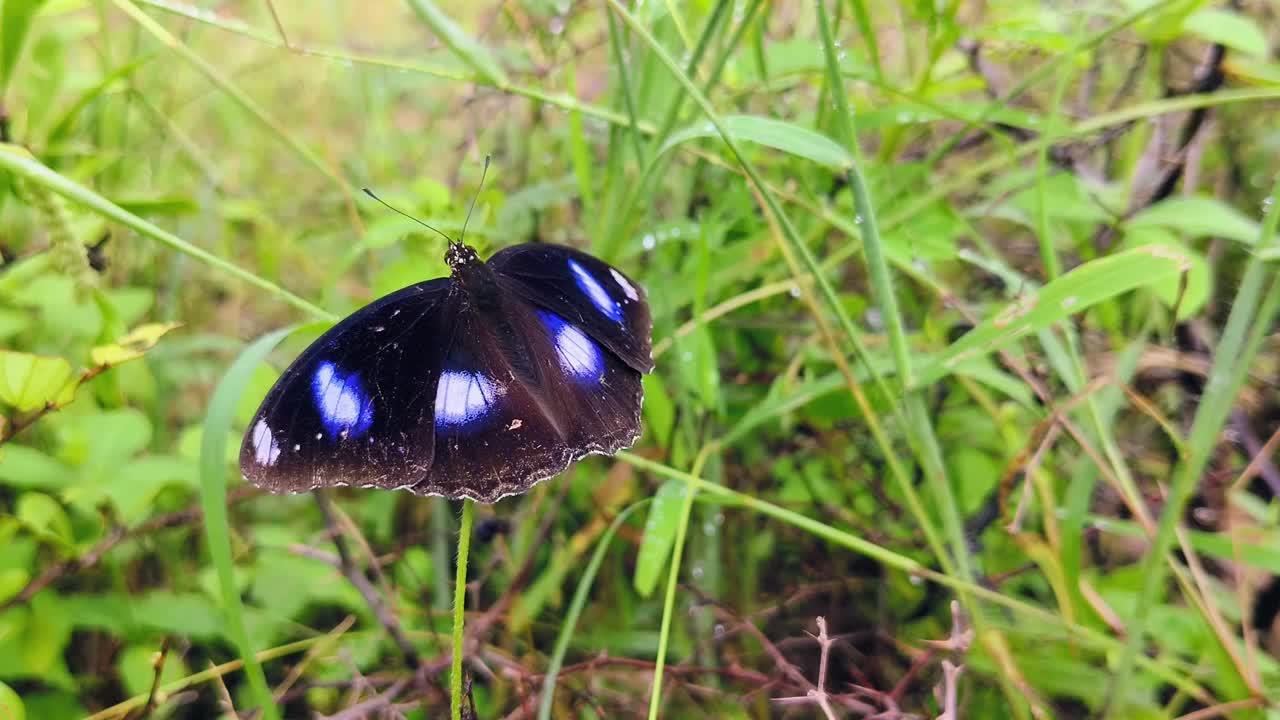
(459, 607)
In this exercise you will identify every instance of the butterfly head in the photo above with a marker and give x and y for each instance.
(460, 257)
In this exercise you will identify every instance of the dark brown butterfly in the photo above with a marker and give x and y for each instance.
(476, 385)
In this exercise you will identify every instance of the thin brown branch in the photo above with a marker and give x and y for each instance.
(117, 535)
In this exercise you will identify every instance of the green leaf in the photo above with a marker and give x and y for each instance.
(12, 580)
(190, 614)
(25, 467)
(659, 535)
(137, 667)
(1198, 216)
(31, 382)
(44, 517)
(784, 136)
(11, 707)
(1070, 294)
(1188, 293)
(15, 23)
(468, 50)
(1231, 29)
(132, 345)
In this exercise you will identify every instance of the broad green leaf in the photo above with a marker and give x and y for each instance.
(1069, 295)
(784, 136)
(12, 580)
(659, 535)
(15, 23)
(1253, 71)
(31, 382)
(12, 322)
(189, 614)
(11, 707)
(44, 639)
(1231, 29)
(28, 468)
(132, 345)
(137, 668)
(44, 516)
(1198, 216)
(467, 49)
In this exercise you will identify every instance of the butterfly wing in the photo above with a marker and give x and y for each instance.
(523, 393)
(356, 407)
(588, 293)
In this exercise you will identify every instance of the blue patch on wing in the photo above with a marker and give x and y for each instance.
(579, 355)
(346, 410)
(464, 398)
(595, 292)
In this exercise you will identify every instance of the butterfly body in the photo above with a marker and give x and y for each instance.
(477, 385)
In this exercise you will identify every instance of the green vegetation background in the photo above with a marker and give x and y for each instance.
(953, 302)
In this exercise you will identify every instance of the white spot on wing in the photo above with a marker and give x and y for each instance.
(464, 397)
(579, 355)
(595, 292)
(265, 449)
(344, 407)
(626, 285)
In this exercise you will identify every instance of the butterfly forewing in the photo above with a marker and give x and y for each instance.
(356, 407)
(588, 293)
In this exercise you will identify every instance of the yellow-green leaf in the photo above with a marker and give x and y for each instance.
(131, 346)
(31, 382)
(11, 707)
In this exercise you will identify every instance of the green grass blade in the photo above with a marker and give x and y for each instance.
(896, 561)
(660, 530)
(780, 135)
(469, 51)
(570, 621)
(213, 498)
(1252, 312)
(246, 103)
(20, 162)
(1083, 287)
(16, 17)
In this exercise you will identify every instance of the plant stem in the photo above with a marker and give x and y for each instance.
(459, 603)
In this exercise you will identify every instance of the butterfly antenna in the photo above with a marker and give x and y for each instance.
(480, 187)
(393, 208)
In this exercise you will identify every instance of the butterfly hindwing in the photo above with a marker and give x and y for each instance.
(588, 293)
(521, 395)
(356, 407)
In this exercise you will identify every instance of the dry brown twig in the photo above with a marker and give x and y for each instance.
(818, 694)
(958, 643)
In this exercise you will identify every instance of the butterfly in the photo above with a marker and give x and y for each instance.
(477, 385)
